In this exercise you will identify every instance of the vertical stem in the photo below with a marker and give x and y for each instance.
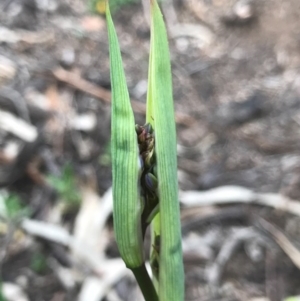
(155, 231)
(145, 283)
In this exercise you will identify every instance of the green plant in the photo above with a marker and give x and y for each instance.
(66, 187)
(145, 189)
(38, 263)
(13, 208)
(2, 298)
(98, 6)
(105, 158)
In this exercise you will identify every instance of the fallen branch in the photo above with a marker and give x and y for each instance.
(28, 37)
(18, 127)
(94, 289)
(238, 237)
(59, 235)
(286, 245)
(238, 194)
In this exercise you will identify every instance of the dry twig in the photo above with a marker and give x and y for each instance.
(214, 273)
(287, 246)
(17, 127)
(237, 194)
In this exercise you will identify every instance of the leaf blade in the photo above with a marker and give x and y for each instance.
(127, 205)
(171, 274)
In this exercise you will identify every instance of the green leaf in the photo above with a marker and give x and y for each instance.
(171, 274)
(1, 293)
(149, 110)
(38, 263)
(127, 203)
(14, 209)
(13, 206)
(66, 186)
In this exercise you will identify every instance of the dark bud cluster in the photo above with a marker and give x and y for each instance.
(146, 143)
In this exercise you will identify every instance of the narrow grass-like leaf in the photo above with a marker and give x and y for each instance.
(149, 111)
(155, 225)
(127, 205)
(171, 274)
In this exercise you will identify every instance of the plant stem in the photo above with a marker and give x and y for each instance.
(155, 247)
(145, 283)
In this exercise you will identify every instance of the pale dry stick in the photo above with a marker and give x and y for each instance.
(279, 202)
(95, 288)
(91, 220)
(18, 127)
(28, 37)
(76, 81)
(109, 271)
(59, 235)
(214, 273)
(287, 246)
(197, 31)
(177, 29)
(216, 196)
(237, 194)
(12, 291)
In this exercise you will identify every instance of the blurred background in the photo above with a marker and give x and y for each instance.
(236, 82)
